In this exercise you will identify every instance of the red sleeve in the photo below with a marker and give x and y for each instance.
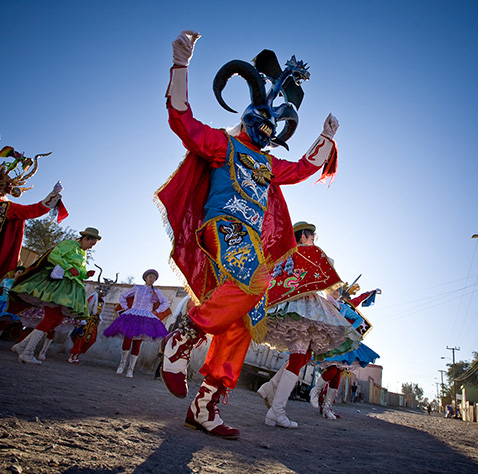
(202, 140)
(30, 211)
(289, 172)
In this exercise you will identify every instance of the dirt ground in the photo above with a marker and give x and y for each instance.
(85, 419)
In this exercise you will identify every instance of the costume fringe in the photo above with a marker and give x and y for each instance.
(273, 264)
(170, 233)
(259, 331)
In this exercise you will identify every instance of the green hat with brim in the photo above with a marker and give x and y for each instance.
(302, 225)
(91, 232)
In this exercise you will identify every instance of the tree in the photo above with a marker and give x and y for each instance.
(414, 391)
(129, 280)
(43, 234)
(462, 368)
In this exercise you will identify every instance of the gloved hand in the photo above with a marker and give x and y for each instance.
(183, 47)
(74, 271)
(90, 273)
(331, 125)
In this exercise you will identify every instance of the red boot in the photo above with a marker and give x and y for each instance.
(176, 348)
(203, 414)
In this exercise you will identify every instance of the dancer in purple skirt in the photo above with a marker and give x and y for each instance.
(142, 309)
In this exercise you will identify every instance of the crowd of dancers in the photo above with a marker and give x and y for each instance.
(251, 274)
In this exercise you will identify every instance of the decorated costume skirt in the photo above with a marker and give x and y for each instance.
(41, 290)
(137, 324)
(353, 359)
(310, 322)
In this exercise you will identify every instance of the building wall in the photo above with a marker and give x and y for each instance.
(109, 349)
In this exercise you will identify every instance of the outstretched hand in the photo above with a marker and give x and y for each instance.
(183, 47)
(331, 125)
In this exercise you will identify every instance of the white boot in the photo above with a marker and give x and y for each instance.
(276, 415)
(27, 355)
(268, 390)
(329, 399)
(203, 413)
(132, 363)
(20, 347)
(122, 365)
(315, 392)
(46, 345)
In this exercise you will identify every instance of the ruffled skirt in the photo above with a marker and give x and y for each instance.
(353, 359)
(310, 322)
(31, 317)
(137, 324)
(41, 290)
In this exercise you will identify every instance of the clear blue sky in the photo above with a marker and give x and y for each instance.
(86, 80)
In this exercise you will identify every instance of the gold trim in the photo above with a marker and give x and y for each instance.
(232, 172)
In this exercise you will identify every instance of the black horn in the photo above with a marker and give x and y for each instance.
(246, 71)
(101, 272)
(288, 113)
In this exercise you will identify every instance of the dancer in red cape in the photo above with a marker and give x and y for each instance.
(13, 215)
(229, 221)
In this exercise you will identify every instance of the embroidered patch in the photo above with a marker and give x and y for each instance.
(240, 206)
(233, 233)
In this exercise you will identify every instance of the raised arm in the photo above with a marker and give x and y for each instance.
(206, 142)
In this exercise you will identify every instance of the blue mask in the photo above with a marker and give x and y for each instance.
(261, 118)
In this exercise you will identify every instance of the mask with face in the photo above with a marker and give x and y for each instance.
(261, 117)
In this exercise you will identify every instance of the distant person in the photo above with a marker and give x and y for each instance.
(5, 286)
(139, 320)
(354, 392)
(55, 283)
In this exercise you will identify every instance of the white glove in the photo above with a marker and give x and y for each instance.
(331, 125)
(183, 47)
(58, 188)
(57, 273)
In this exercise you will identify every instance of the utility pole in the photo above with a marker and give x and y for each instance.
(453, 349)
(442, 386)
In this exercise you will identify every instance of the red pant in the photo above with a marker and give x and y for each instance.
(53, 318)
(222, 316)
(136, 345)
(297, 361)
(332, 375)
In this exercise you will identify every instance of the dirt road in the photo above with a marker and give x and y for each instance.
(85, 419)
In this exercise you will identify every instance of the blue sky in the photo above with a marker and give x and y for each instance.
(86, 80)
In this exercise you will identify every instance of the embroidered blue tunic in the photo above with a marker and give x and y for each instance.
(236, 205)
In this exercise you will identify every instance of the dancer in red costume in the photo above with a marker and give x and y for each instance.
(227, 215)
(13, 215)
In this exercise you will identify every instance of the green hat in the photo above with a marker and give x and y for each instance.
(302, 225)
(91, 232)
